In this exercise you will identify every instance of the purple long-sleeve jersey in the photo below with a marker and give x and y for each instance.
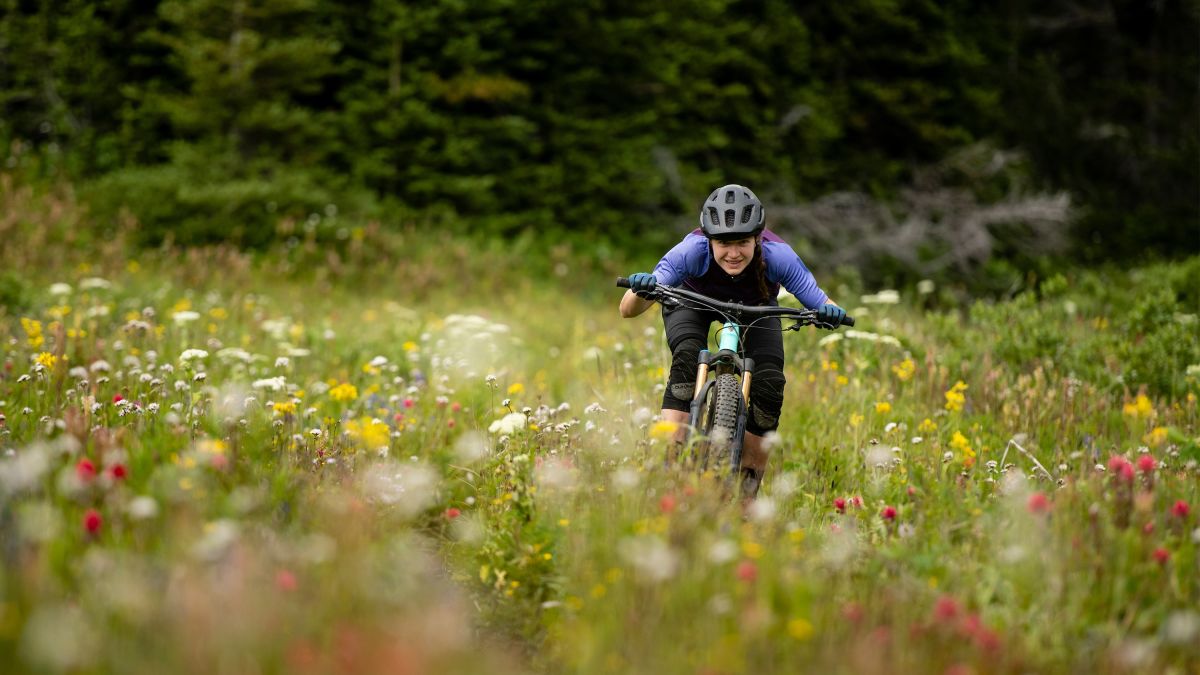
(691, 263)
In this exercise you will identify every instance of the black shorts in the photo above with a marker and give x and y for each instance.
(687, 333)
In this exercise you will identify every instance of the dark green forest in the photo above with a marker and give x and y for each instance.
(248, 120)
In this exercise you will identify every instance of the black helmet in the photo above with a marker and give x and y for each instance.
(731, 212)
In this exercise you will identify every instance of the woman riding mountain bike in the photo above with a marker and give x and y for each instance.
(734, 258)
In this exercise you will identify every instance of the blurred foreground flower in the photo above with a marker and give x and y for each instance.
(508, 425)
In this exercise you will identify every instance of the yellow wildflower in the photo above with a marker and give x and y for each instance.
(960, 443)
(515, 389)
(1156, 437)
(927, 426)
(344, 392)
(842, 380)
(955, 397)
(47, 360)
(410, 346)
(800, 629)
(33, 329)
(218, 313)
(905, 369)
(59, 311)
(855, 419)
(663, 429)
(883, 407)
(183, 305)
(212, 446)
(285, 408)
(1140, 407)
(752, 549)
(369, 432)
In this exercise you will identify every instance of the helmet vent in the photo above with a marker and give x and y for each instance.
(730, 214)
(730, 197)
(714, 216)
(746, 214)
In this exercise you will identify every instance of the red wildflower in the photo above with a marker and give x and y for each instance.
(1146, 464)
(450, 424)
(946, 609)
(398, 417)
(285, 580)
(1120, 467)
(1038, 503)
(747, 571)
(840, 505)
(455, 407)
(1180, 509)
(1148, 528)
(852, 612)
(667, 503)
(92, 521)
(888, 513)
(912, 491)
(408, 403)
(452, 513)
(85, 470)
(986, 639)
(117, 398)
(118, 471)
(856, 502)
(1161, 555)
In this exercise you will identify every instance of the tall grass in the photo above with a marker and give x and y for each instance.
(380, 451)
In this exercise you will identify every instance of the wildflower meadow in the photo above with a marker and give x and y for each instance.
(382, 452)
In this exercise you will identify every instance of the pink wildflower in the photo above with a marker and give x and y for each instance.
(1161, 555)
(1038, 503)
(667, 503)
(840, 505)
(452, 513)
(92, 521)
(946, 609)
(1146, 464)
(888, 513)
(747, 571)
(85, 470)
(1120, 467)
(1180, 509)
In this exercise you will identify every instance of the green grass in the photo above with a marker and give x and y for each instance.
(300, 526)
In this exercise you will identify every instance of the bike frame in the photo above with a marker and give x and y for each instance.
(728, 357)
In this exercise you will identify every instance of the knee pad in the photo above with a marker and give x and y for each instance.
(681, 386)
(766, 399)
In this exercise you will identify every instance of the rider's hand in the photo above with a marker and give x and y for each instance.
(830, 316)
(642, 283)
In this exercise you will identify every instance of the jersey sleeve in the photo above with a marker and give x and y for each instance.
(687, 259)
(785, 268)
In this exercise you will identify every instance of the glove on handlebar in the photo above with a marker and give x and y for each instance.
(642, 283)
(830, 316)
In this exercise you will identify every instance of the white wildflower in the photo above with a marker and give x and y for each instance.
(94, 283)
(652, 559)
(271, 383)
(60, 289)
(192, 355)
(887, 297)
(185, 316)
(509, 424)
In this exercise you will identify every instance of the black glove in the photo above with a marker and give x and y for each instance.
(830, 316)
(642, 284)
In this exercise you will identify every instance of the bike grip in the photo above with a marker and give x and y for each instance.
(847, 320)
(623, 282)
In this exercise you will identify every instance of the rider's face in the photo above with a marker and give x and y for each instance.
(734, 256)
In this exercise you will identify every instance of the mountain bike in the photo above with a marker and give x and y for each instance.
(721, 402)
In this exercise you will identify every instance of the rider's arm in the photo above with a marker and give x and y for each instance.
(685, 259)
(785, 267)
(632, 305)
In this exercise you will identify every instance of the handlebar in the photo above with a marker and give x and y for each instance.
(736, 309)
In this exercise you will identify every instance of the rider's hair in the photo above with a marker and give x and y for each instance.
(758, 265)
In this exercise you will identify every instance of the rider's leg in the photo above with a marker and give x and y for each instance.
(766, 401)
(687, 334)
